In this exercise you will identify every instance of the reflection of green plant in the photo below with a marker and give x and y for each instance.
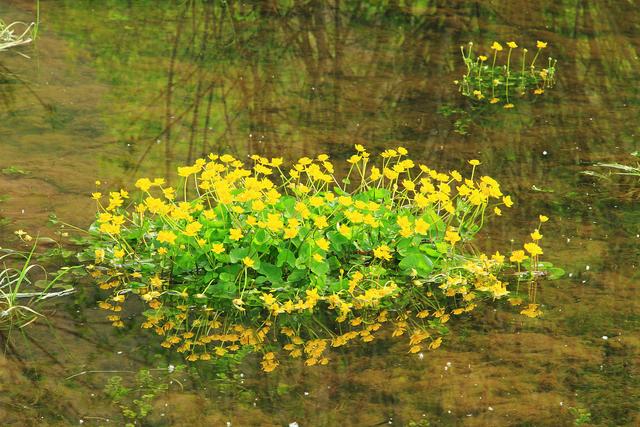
(421, 423)
(136, 402)
(491, 82)
(581, 416)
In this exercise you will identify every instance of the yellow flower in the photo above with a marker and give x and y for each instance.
(512, 45)
(507, 201)
(544, 218)
(118, 253)
(165, 236)
(496, 46)
(533, 249)
(452, 236)
(248, 262)
(217, 248)
(497, 211)
(538, 91)
(421, 226)
(517, 256)
(382, 252)
(96, 195)
(482, 58)
(99, 254)
(494, 100)
(323, 244)
(532, 311)
(144, 184)
(359, 148)
(536, 235)
(474, 162)
(318, 257)
(321, 221)
(235, 234)
(509, 105)
(541, 45)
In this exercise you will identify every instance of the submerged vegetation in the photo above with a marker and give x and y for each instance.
(488, 79)
(16, 34)
(24, 285)
(264, 258)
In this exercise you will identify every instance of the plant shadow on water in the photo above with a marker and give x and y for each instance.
(141, 87)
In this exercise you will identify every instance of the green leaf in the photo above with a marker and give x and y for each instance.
(285, 256)
(273, 273)
(418, 261)
(237, 254)
(319, 268)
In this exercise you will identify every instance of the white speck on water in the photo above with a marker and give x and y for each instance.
(544, 153)
(119, 352)
(228, 423)
(561, 403)
(604, 337)
(306, 393)
(587, 267)
(81, 421)
(420, 356)
(490, 408)
(171, 368)
(293, 424)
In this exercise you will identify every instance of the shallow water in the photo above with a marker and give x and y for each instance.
(115, 90)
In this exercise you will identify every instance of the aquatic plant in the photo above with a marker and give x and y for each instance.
(301, 260)
(487, 80)
(136, 402)
(20, 293)
(16, 34)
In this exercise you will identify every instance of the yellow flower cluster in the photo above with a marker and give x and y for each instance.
(245, 246)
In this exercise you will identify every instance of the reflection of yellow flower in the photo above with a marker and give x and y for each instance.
(532, 311)
(496, 46)
(494, 100)
(538, 91)
(508, 105)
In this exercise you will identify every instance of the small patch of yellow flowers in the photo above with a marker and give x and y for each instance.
(386, 245)
(497, 83)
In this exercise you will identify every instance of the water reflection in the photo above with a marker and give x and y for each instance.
(138, 87)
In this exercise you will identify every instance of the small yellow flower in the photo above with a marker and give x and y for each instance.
(382, 252)
(538, 91)
(497, 211)
(318, 257)
(536, 235)
(517, 256)
(509, 105)
(541, 45)
(217, 248)
(544, 218)
(482, 58)
(496, 46)
(474, 162)
(248, 262)
(512, 45)
(96, 195)
(235, 234)
(533, 249)
(494, 100)
(165, 236)
(507, 201)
